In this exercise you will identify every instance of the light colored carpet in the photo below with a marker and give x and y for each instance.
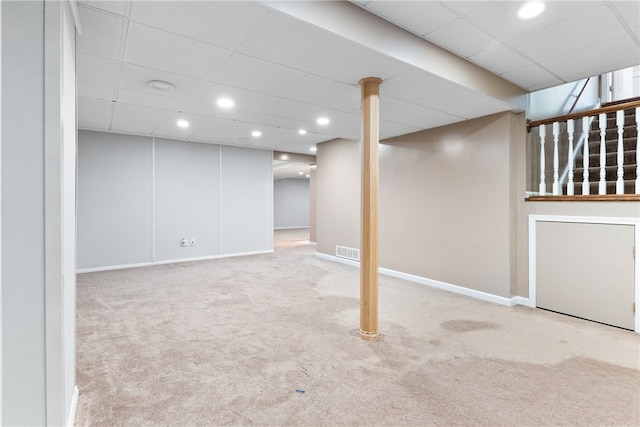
(272, 340)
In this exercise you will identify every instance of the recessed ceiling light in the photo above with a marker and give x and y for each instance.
(307, 175)
(531, 9)
(300, 173)
(313, 149)
(225, 102)
(323, 121)
(161, 85)
(302, 132)
(183, 123)
(256, 133)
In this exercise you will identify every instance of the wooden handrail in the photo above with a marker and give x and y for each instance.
(607, 109)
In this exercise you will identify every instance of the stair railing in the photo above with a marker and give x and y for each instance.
(587, 119)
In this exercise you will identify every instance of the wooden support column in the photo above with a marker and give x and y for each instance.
(370, 90)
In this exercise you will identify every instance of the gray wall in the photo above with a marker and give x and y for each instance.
(291, 201)
(445, 201)
(139, 196)
(38, 177)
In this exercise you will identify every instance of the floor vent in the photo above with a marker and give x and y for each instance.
(349, 253)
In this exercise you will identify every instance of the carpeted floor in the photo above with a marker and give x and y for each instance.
(272, 340)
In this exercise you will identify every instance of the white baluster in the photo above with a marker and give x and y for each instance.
(602, 186)
(637, 150)
(543, 186)
(556, 174)
(570, 131)
(585, 156)
(620, 124)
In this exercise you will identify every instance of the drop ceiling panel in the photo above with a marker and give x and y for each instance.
(157, 49)
(112, 6)
(101, 33)
(221, 23)
(359, 62)
(256, 74)
(124, 125)
(96, 69)
(462, 7)
(532, 76)
(630, 13)
(319, 91)
(576, 63)
(451, 99)
(414, 85)
(500, 19)
(501, 59)
(412, 114)
(263, 119)
(139, 114)
(136, 78)
(420, 17)
(543, 44)
(473, 42)
(92, 90)
(168, 127)
(131, 97)
(310, 48)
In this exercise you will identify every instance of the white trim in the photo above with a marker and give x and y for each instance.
(153, 198)
(169, 261)
(291, 228)
(74, 407)
(510, 302)
(313, 243)
(534, 219)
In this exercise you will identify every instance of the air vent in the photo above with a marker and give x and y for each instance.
(349, 253)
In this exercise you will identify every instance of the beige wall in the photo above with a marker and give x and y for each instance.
(312, 204)
(446, 201)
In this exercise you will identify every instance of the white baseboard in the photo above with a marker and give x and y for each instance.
(436, 283)
(169, 261)
(74, 407)
(313, 243)
(291, 228)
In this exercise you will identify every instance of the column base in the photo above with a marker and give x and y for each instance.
(369, 336)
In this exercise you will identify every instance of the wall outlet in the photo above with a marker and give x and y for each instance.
(193, 242)
(184, 243)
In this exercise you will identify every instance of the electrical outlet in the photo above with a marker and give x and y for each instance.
(184, 243)
(193, 242)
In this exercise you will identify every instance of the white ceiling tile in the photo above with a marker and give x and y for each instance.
(113, 6)
(153, 48)
(450, 99)
(461, 38)
(463, 7)
(360, 62)
(310, 48)
(222, 23)
(168, 127)
(479, 109)
(630, 12)
(319, 91)
(96, 69)
(256, 74)
(419, 17)
(139, 114)
(499, 59)
(94, 114)
(530, 76)
(92, 90)
(621, 52)
(102, 33)
(544, 44)
(135, 78)
(124, 125)
(499, 18)
(131, 97)
(263, 119)
(413, 115)
(414, 85)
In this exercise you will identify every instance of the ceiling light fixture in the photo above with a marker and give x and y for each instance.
(256, 133)
(531, 9)
(323, 121)
(161, 85)
(183, 123)
(313, 149)
(225, 102)
(302, 132)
